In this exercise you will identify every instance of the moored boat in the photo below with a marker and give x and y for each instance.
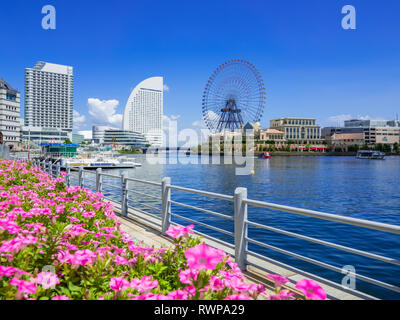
(264, 155)
(370, 154)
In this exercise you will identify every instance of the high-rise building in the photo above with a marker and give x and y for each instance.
(144, 110)
(9, 114)
(49, 97)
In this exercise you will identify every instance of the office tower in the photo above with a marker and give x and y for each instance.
(144, 110)
(49, 98)
(9, 114)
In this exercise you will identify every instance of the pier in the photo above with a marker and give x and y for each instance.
(150, 227)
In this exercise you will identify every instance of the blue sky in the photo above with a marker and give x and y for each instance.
(310, 65)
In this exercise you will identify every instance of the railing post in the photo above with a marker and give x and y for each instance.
(80, 177)
(165, 204)
(57, 169)
(124, 195)
(50, 170)
(99, 180)
(240, 227)
(44, 166)
(68, 176)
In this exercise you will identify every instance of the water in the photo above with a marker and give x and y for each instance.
(347, 186)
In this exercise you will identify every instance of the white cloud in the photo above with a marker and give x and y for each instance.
(78, 119)
(166, 88)
(339, 120)
(103, 111)
(212, 115)
(175, 117)
(86, 133)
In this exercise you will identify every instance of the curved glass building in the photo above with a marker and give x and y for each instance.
(125, 138)
(144, 110)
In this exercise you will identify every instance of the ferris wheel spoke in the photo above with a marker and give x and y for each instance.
(235, 83)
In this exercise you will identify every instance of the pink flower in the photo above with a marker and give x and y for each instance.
(178, 295)
(282, 295)
(311, 289)
(203, 257)
(6, 271)
(47, 279)
(238, 297)
(179, 231)
(81, 257)
(119, 284)
(188, 276)
(120, 260)
(148, 296)
(278, 279)
(90, 214)
(23, 286)
(60, 298)
(216, 283)
(144, 284)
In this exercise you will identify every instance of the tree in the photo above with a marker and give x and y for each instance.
(386, 148)
(379, 147)
(396, 147)
(67, 141)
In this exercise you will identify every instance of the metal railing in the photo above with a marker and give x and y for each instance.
(241, 223)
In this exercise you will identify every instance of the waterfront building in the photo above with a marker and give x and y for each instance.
(299, 130)
(376, 131)
(43, 134)
(59, 149)
(273, 135)
(49, 97)
(144, 110)
(327, 132)
(9, 115)
(356, 123)
(98, 133)
(125, 138)
(343, 141)
(77, 138)
(255, 127)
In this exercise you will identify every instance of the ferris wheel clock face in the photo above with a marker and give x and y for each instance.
(234, 95)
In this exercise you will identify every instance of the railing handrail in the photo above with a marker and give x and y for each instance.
(241, 223)
(327, 216)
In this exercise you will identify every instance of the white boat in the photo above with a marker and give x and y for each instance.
(100, 162)
(370, 154)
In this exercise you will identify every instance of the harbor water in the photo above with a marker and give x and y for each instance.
(366, 189)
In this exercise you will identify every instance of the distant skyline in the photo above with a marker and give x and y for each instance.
(311, 67)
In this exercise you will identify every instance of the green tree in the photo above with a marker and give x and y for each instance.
(386, 148)
(396, 147)
(67, 141)
(379, 147)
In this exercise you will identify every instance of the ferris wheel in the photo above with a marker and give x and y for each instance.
(234, 95)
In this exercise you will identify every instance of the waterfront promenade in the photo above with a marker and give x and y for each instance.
(117, 189)
(147, 232)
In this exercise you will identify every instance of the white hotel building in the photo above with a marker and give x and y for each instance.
(48, 101)
(144, 110)
(9, 114)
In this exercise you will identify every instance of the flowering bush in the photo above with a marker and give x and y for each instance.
(61, 243)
